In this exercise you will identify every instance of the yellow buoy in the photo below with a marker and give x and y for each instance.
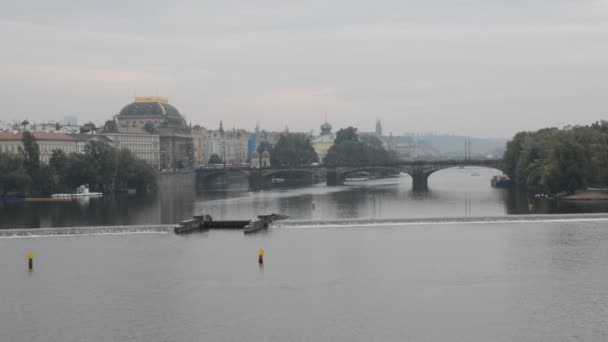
(30, 260)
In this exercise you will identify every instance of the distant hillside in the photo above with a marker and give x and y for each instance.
(453, 145)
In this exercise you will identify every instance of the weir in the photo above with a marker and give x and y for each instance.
(456, 220)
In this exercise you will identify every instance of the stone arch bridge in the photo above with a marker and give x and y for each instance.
(335, 175)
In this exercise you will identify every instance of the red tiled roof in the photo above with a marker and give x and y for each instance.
(38, 135)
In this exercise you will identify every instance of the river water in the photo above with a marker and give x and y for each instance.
(370, 262)
(452, 193)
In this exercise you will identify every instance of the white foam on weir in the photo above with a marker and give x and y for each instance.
(21, 233)
(45, 236)
(443, 221)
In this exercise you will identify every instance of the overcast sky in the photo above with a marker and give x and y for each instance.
(475, 67)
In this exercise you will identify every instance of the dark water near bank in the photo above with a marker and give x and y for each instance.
(453, 193)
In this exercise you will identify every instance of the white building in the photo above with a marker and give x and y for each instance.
(231, 146)
(144, 146)
(324, 141)
(47, 143)
(5, 126)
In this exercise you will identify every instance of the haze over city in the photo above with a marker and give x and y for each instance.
(481, 68)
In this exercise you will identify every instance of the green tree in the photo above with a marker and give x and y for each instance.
(350, 149)
(58, 164)
(134, 173)
(103, 157)
(215, 159)
(13, 177)
(346, 134)
(265, 146)
(553, 160)
(79, 170)
(30, 152)
(293, 149)
(58, 161)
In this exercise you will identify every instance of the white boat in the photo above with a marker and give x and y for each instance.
(81, 191)
(357, 179)
(278, 180)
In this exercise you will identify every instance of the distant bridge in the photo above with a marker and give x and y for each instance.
(335, 175)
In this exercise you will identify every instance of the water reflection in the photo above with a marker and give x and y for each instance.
(452, 192)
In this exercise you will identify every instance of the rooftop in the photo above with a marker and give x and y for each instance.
(5, 136)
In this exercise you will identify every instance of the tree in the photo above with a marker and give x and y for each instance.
(346, 134)
(79, 170)
(265, 146)
(293, 149)
(215, 159)
(552, 160)
(350, 149)
(103, 158)
(134, 173)
(30, 152)
(57, 171)
(58, 161)
(13, 177)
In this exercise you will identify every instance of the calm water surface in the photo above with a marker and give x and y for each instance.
(325, 277)
(541, 281)
(452, 193)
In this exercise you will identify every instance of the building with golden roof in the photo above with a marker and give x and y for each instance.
(155, 116)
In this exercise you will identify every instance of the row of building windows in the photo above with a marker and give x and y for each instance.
(135, 138)
(139, 147)
(9, 148)
(51, 148)
(141, 122)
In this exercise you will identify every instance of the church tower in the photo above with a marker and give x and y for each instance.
(378, 128)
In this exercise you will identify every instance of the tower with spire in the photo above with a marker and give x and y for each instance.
(378, 128)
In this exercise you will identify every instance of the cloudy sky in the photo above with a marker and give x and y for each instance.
(476, 67)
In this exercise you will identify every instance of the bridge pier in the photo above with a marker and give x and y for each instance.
(420, 181)
(256, 180)
(334, 178)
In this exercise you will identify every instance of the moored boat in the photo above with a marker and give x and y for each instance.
(81, 191)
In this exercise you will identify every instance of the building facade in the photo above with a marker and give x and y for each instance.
(144, 146)
(231, 146)
(155, 116)
(324, 141)
(47, 143)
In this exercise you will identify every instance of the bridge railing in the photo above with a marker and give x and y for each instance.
(455, 162)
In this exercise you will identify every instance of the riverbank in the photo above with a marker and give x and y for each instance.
(586, 196)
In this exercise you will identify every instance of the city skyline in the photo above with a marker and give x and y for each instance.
(479, 68)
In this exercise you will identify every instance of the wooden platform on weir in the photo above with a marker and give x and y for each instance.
(206, 222)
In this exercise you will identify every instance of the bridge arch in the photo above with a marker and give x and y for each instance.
(206, 176)
(420, 174)
(369, 169)
(418, 170)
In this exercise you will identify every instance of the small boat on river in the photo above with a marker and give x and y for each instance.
(277, 180)
(81, 191)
